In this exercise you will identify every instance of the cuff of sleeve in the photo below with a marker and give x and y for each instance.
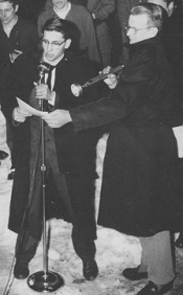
(15, 123)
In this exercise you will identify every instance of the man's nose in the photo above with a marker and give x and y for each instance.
(2, 14)
(129, 31)
(50, 47)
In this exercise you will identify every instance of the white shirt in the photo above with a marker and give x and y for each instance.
(62, 14)
(53, 77)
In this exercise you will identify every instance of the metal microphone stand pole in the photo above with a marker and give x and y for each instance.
(44, 281)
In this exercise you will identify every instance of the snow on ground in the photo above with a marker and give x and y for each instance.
(115, 251)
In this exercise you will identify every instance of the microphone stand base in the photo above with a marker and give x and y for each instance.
(45, 282)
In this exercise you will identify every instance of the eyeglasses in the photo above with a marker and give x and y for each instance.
(54, 44)
(127, 28)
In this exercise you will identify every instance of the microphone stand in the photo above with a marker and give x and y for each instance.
(44, 281)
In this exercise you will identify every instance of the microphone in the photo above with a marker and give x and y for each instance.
(43, 68)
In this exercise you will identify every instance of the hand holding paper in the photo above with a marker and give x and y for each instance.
(57, 118)
(20, 115)
(28, 109)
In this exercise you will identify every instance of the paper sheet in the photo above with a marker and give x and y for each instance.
(178, 132)
(28, 109)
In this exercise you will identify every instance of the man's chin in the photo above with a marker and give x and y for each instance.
(59, 6)
(4, 22)
(50, 58)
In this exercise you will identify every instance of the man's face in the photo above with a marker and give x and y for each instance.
(59, 4)
(54, 45)
(138, 28)
(7, 12)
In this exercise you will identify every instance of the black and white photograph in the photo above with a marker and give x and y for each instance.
(91, 147)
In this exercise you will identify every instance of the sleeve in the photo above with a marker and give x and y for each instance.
(93, 52)
(48, 4)
(40, 23)
(97, 114)
(76, 72)
(7, 98)
(31, 41)
(135, 87)
(105, 10)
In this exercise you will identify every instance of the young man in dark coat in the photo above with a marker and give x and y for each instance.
(70, 157)
(141, 193)
(19, 43)
(18, 36)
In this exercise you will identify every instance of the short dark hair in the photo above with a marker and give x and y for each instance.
(59, 25)
(153, 11)
(168, 1)
(14, 2)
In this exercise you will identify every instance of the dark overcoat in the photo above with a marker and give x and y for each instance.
(71, 154)
(141, 191)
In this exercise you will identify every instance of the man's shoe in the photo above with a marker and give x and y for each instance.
(152, 289)
(90, 269)
(21, 272)
(134, 274)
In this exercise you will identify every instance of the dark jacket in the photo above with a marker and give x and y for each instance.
(75, 152)
(172, 41)
(141, 191)
(23, 37)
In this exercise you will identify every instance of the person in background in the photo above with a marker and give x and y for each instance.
(78, 15)
(48, 3)
(18, 37)
(19, 43)
(101, 10)
(70, 157)
(172, 41)
(141, 191)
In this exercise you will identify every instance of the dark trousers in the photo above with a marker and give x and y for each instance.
(81, 192)
(84, 248)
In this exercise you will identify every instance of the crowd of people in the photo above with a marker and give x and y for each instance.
(67, 43)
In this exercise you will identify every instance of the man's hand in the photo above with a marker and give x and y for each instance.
(13, 56)
(111, 80)
(57, 118)
(19, 115)
(42, 91)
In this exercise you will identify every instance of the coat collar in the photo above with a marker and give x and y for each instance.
(138, 47)
(153, 41)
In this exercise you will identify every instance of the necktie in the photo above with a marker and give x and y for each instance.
(49, 79)
(50, 84)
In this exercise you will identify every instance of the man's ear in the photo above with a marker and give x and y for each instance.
(171, 7)
(154, 32)
(67, 43)
(16, 7)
